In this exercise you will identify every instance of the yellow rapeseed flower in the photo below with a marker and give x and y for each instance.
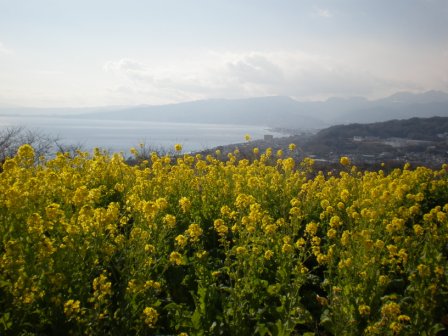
(344, 195)
(383, 280)
(26, 152)
(311, 228)
(395, 327)
(331, 233)
(335, 221)
(170, 220)
(241, 250)
(176, 258)
(423, 270)
(150, 248)
(390, 310)
(72, 307)
(344, 160)
(300, 243)
(150, 316)
(364, 310)
(270, 229)
(220, 227)
(268, 254)
(287, 248)
(185, 204)
(181, 240)
(194, 231)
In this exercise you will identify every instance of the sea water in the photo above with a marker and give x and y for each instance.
(121, 135)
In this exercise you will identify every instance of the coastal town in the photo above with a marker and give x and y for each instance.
(429, 150)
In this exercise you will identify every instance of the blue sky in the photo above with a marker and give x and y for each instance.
(91, 53)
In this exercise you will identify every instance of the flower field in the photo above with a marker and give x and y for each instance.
(192, 245)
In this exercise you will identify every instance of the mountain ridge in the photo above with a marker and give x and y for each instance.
(270, 111)
(283, 111)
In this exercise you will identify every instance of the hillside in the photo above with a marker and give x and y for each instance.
(414, 128)
(421, 141)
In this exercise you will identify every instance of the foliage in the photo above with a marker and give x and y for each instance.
(413, 128)
(12, 138)
(206, 246)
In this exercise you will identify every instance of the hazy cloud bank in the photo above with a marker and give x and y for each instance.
(5, 50)
(236, 75)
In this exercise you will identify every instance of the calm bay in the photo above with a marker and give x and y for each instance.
(121, 135)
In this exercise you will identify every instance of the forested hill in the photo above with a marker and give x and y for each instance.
(414, 128)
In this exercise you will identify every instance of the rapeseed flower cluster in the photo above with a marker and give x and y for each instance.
(220, 245)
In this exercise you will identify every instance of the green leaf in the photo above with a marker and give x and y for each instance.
(5, 322)
(280, 328)
(262, 330)
(435, 329)
(196, 320)
(4, 283)
(325, 318)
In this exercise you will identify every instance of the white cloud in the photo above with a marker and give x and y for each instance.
(305, 76)
(45, 72)
(255, 68)
(236, 75)
(324, 13)
(4, 50)
(130, 69)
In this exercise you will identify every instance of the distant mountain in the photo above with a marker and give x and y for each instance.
(402, 105)
(265, 111)
(279, 111)
(276, 112)
(416, 98)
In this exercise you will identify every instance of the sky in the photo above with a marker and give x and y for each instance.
(64, 53)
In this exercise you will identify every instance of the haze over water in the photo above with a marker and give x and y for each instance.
(119, 135)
